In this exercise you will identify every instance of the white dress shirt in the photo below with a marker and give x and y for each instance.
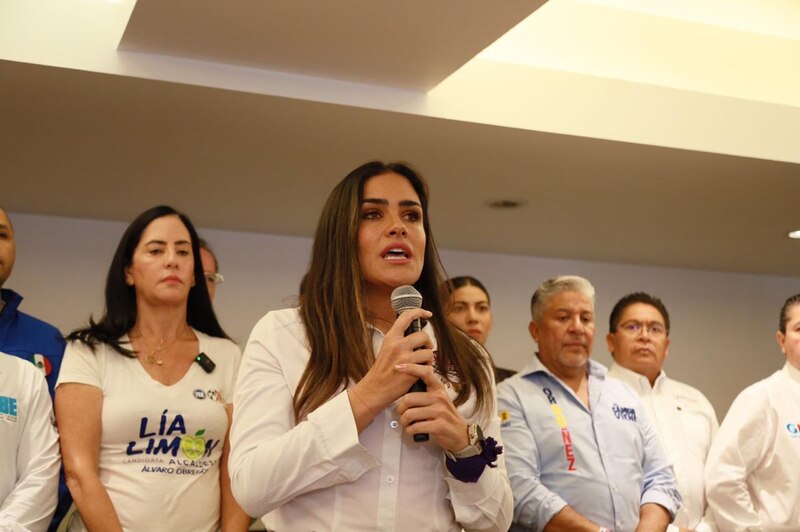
(30, 459)
(685, 423)
(753, 468)
(320, 474)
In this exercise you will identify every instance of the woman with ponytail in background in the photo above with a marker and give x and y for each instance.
(470, 309)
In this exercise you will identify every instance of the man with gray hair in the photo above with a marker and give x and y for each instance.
(580, 453)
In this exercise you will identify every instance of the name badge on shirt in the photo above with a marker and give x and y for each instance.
(621, 412)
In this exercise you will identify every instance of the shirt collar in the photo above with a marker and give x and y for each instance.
(638, 382)
(792, 372)
(596, 369)
(11, 299)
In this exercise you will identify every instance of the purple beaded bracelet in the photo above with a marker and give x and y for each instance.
(470, 469)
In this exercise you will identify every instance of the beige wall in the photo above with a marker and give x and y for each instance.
(723, 325)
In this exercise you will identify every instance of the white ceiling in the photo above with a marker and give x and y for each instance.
(413, 44)
(246, 116)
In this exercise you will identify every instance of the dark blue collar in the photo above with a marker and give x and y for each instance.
(11, 300)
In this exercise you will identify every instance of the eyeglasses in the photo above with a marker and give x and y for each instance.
(215, 278)
(633, 328)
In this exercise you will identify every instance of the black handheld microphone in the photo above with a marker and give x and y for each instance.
(408, 298)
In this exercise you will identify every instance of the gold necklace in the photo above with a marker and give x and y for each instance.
(374, 319)
(152, 357)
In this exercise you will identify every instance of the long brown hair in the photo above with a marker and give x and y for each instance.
(332, 302)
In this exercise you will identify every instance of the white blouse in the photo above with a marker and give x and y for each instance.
(321, 474)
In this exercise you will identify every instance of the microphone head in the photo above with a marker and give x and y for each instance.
(405, 298)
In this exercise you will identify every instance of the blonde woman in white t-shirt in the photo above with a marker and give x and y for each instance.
(143, 401)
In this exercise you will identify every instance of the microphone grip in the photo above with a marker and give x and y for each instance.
(418, 386)
(416, 326)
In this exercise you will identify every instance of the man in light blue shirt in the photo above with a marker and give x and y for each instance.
(580, 453)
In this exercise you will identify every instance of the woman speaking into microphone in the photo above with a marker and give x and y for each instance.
(324, 424)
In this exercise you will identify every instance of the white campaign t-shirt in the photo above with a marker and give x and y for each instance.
(160, 446)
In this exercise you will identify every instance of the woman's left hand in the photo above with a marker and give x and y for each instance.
(432, 411)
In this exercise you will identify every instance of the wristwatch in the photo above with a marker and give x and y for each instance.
(475, 447)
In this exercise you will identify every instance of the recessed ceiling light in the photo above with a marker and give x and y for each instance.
(794, 234)
(504, 204)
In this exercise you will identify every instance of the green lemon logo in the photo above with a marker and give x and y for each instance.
(194, 446)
